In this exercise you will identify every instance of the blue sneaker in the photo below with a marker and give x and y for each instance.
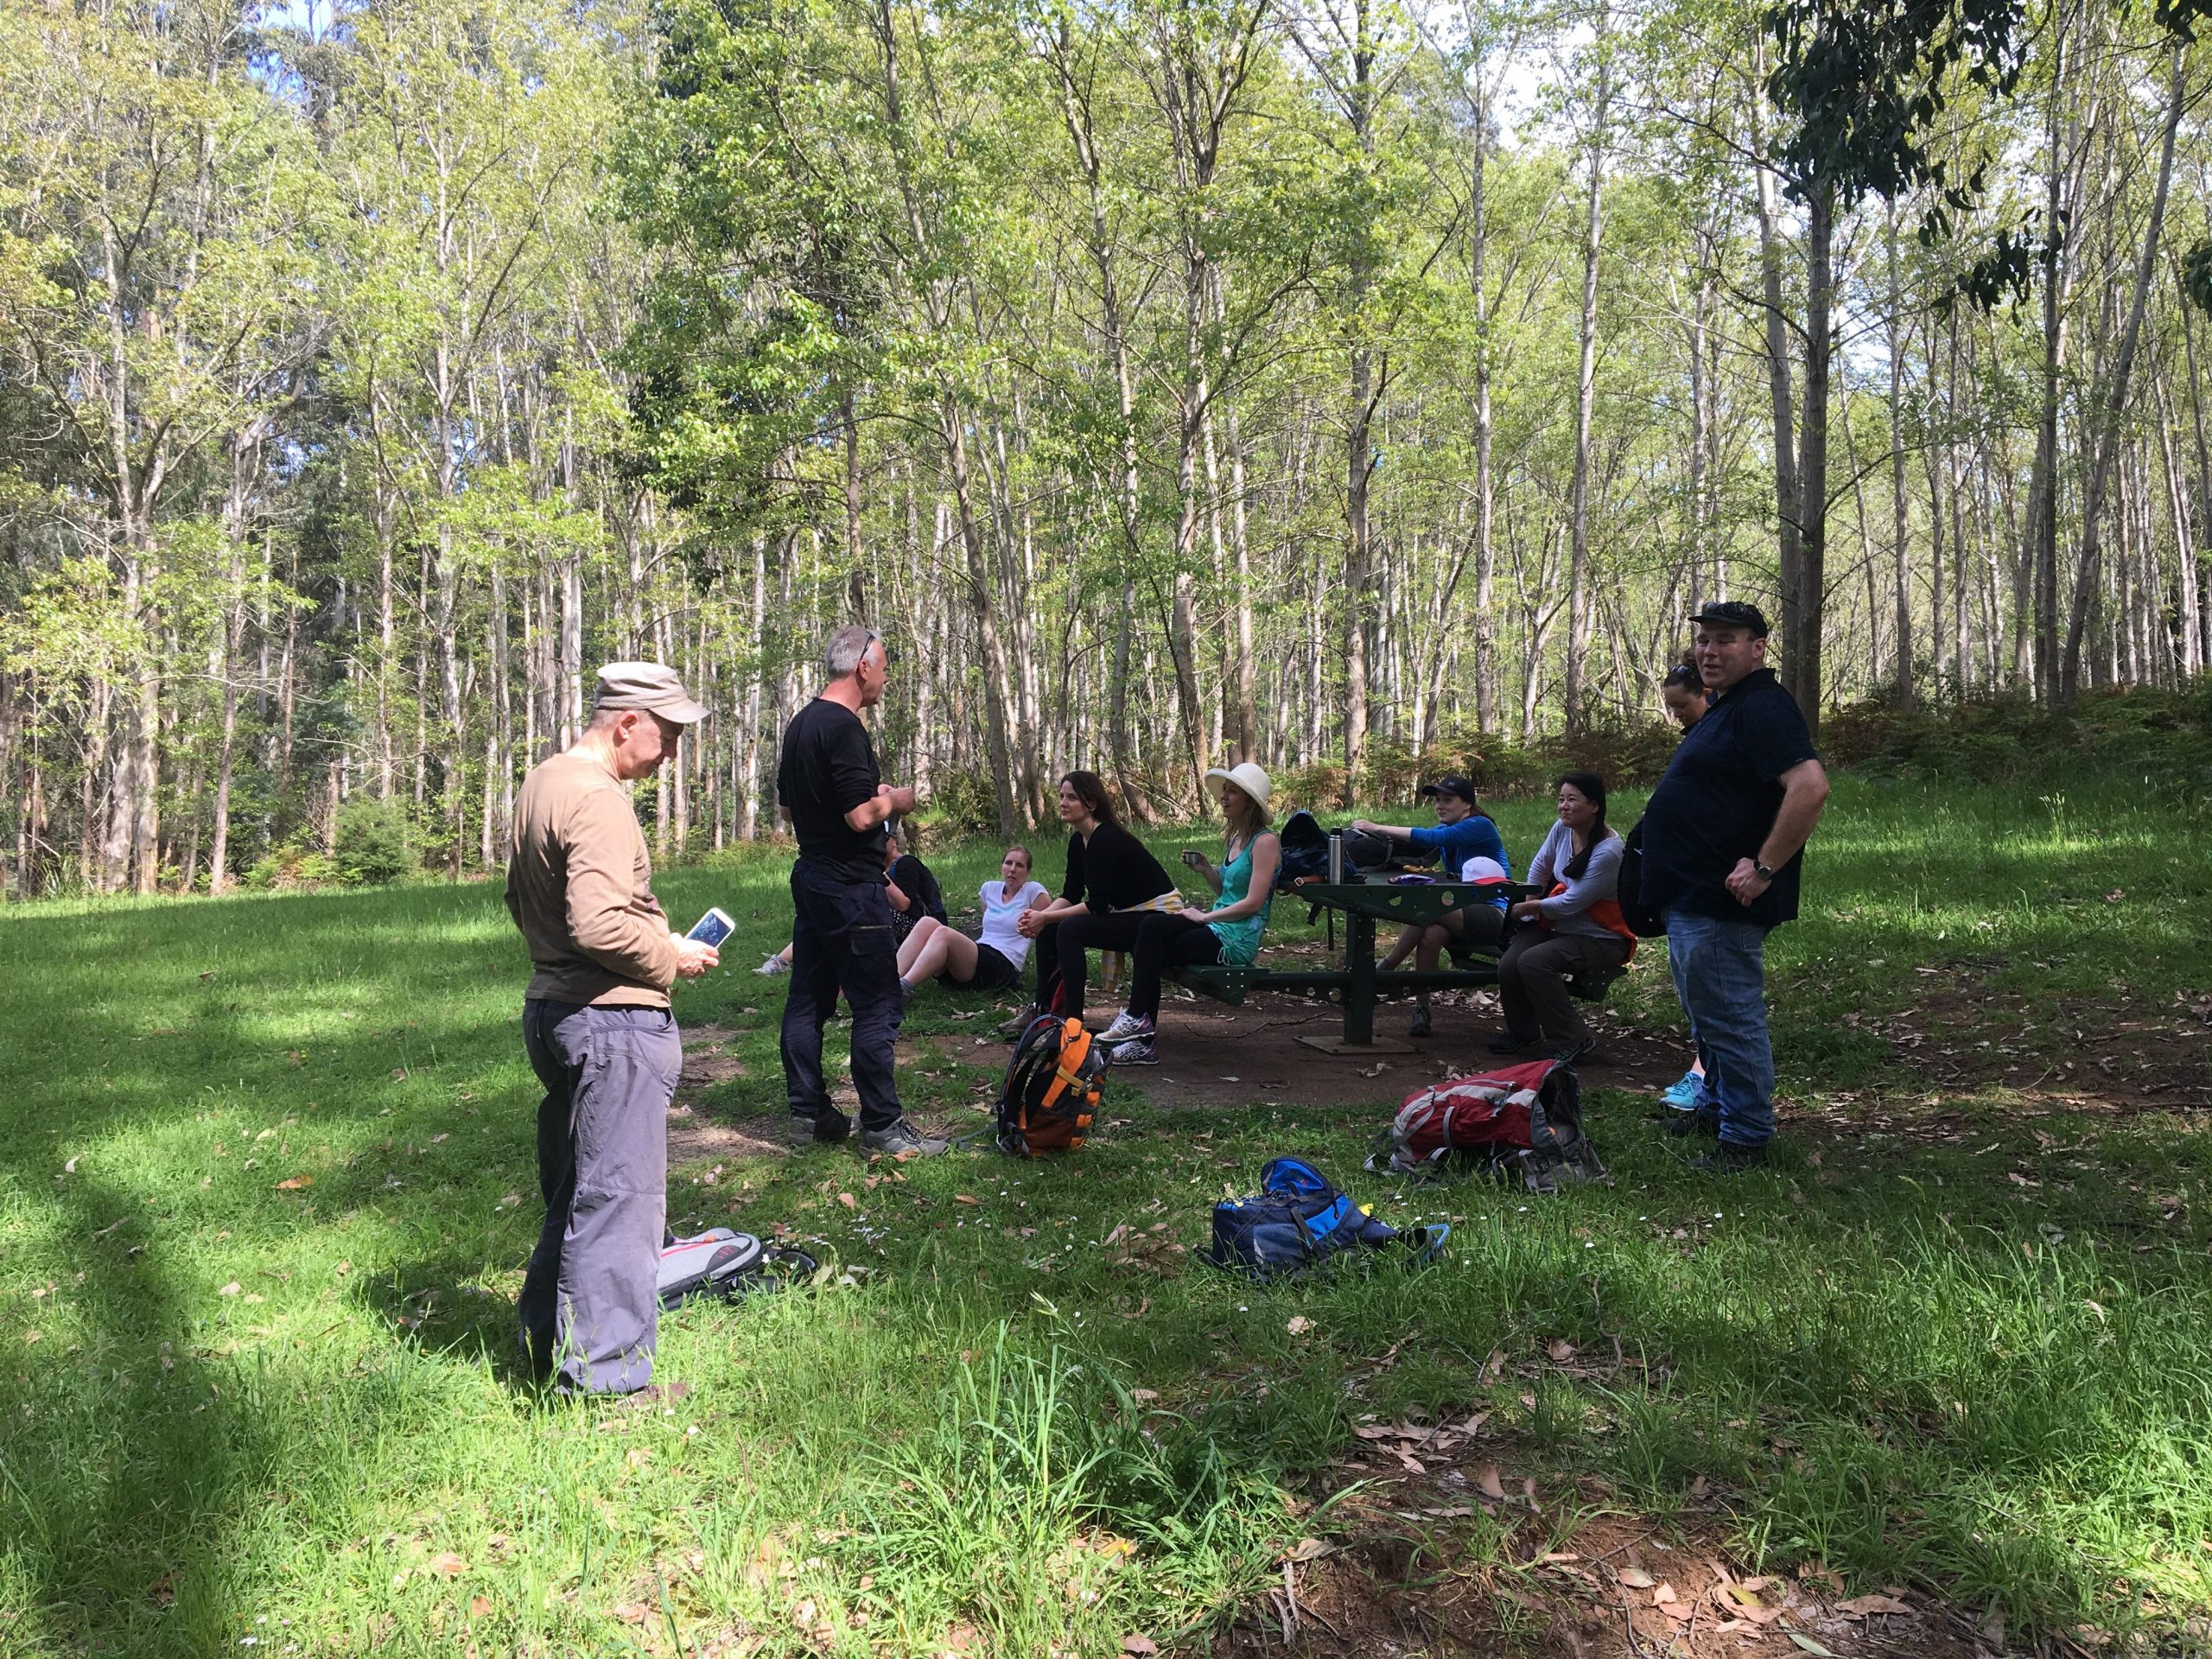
(1683, 1096)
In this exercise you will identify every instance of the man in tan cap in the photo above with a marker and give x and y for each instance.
(600, 1034)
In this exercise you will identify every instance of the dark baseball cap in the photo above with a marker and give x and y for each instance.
(1462, 787)
(1734, 613)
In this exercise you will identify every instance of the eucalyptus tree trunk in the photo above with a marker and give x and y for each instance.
(2114, 398)
(1899, 550)
(1577, 573)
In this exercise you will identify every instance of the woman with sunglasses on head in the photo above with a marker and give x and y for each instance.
(1229, 933)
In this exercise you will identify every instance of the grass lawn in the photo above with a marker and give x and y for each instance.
(266, 1191)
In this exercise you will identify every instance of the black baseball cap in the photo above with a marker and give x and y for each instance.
(1462, 787)
(1734, 613)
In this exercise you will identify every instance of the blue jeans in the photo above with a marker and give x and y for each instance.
(1719, 969)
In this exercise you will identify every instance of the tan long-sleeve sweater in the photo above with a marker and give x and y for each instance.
(580, 888)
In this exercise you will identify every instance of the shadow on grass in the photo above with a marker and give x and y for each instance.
(130, 1462)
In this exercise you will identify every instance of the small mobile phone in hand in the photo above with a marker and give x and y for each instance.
(712, 928)
(1195, 859)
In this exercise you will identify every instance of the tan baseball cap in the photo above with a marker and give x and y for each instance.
(649, 686)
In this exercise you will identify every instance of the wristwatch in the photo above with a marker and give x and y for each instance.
(1761, 871)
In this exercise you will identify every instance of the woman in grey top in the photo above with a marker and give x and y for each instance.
(1574, 929)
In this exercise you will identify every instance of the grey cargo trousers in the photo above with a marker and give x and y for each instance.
(589, 1308)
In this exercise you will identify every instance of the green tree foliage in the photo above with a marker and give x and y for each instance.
(1330, 383)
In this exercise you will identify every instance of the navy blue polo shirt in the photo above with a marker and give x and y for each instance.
(1718, 801)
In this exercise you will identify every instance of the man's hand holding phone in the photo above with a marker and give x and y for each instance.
(694, 958)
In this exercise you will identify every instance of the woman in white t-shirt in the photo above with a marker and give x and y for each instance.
(989, 963)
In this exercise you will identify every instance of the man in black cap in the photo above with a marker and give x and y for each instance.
(599, 1034)
(841, 932)
(1462, 832)
(1722, 837)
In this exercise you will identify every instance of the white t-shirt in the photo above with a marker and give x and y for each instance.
(1000, 914)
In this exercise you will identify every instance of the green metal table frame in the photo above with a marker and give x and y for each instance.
(1365, 903)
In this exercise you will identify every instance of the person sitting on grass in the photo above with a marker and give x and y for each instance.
(1228, 933)
(1575, 928)
(1112, 881)
(910, 886)
(1460, 832)
(993, 960)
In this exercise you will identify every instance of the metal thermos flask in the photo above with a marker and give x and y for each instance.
(1336, 856)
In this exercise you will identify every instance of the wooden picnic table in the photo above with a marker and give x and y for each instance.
(1359, 981)
(1418, 904)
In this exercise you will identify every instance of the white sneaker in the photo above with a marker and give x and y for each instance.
(775, 964)
(1126, 1025)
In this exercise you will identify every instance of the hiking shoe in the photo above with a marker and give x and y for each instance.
(1507, 1042)
(902, 1137)
(1682, 1097)
(1570, 1053)
(1139, 1051)
(828, 1125)
(1419, 1025)
(774, 965)
(1699, 1121)
(1732, 1159)
(1011, 1031)
(1126, 1025)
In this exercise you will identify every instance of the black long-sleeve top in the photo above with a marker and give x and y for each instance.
(1113, 872)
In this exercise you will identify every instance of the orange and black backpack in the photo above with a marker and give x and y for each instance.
(1050, 1093)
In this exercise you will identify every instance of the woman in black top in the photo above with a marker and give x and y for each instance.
(1113, 881)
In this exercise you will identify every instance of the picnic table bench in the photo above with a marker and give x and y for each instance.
(1359, 981)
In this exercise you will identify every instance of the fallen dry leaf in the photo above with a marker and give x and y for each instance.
(449, 1566)
(1139, 1645)
(1561, 1351)
(1862, 1606)
(1307, 1550)
(230, 1289)
(967, 1197)
(294, 1183)
(1299, 1325)
(1635, 1577)
(848, 1201)
(1487, 1483)
(479, 1606)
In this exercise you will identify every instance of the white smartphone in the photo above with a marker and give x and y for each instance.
(712, 928)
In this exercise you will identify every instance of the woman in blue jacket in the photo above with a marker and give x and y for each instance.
(1461, 832)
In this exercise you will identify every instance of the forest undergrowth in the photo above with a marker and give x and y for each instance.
(267, 1191)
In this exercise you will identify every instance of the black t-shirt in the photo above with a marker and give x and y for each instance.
(1113, 872)
(828, 768)
(1717, 803)
(923, 897)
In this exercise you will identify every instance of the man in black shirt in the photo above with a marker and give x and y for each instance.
(1722, 837)
(842, 935)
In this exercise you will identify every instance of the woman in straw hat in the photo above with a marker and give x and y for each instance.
(1228, 934)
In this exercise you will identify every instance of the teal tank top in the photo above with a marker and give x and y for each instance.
(1240, 940)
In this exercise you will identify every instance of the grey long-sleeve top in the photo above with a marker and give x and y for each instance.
(1569, 913)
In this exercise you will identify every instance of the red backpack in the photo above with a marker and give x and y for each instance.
(1524, 1121)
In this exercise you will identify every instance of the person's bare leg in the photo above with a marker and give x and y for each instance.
(1408, 938)
(956, 954)
(910, 952)
(929, 961)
